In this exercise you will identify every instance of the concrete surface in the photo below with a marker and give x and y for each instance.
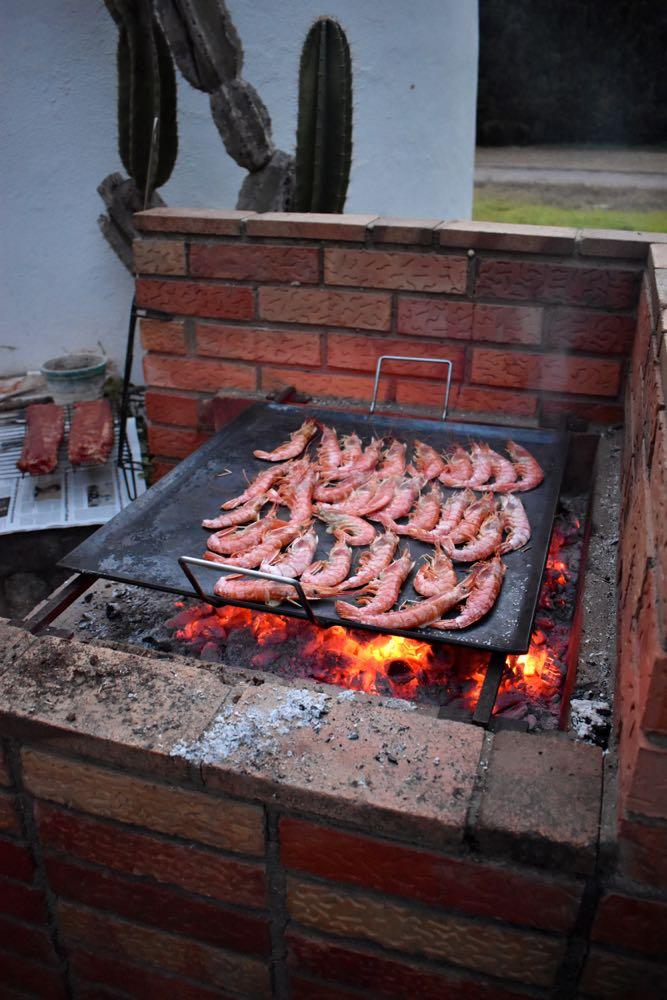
(588, 167)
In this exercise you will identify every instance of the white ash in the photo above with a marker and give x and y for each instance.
(346, 695)
(255, 728)
(588, 716)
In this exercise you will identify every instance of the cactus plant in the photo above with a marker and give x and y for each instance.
(324, 131)
(209, 54)
(204, 42)
(207, 49)
(146, 91)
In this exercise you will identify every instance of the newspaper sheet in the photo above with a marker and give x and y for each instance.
(67, 497)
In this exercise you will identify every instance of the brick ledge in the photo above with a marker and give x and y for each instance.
(467, 234)
(156, 716)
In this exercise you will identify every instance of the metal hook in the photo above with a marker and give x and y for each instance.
(186, 561)
(405, 357)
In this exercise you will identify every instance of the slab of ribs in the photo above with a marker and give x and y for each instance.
(45, 430)
(91, 434)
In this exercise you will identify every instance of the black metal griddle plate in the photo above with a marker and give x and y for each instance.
(141, 545)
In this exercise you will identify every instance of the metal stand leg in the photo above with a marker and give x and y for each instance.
(489, 692)
(54, 605)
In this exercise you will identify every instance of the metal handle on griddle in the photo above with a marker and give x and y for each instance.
(407, 357)
(186, 561)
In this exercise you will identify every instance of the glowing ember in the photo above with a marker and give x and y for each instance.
(389, 664)
(363, 661)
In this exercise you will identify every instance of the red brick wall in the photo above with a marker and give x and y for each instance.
(642, 667)
(465, 870)
(537, 321)
(29, 961)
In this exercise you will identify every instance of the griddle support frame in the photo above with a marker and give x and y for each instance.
(489, 693)
(407, 357)
(53, 606)
(186, 561)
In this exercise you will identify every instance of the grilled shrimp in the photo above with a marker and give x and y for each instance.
(248, 512)
(298, 440)
(373, 561)
(450, 515)
(424, 518)
(260, 485)
(366, 461)
(329, 572)
(299, 496)
(469, 525)
(404, 496)
(515, 524)
(458, 468)
(419, 613)
(382, 497)
(487, 542)
(297, 558)
(436, 575)
(347, 527)
(481, 467)
(267, 549)
(261, 591)
(339, 490)
(233, 542)
(359, 499)
(502, 470)
(251, 558)
(453, 510)
(529, 471)
(350, 451)
(385, 590)
(393, 459)
(329, 455)
(426, 461)
(487, 581)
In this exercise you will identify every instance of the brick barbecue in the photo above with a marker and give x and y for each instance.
(171, 827)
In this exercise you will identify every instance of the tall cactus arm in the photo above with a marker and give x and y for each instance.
(244, 124)
(167, 148)
(146, 90)
(203, 41)
(207, 50)
(324, 131)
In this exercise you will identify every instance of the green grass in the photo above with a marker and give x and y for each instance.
(488, 209)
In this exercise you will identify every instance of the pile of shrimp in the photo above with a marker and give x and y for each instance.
(370, 498)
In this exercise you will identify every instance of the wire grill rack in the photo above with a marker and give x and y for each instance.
(12, 433)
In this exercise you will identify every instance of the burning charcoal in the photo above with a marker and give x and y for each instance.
(265, 657)
(164, 645)
(507, 699)
(113, 611)
(210, 653)
(383, 685)
(186, 617)
(399, 672)
(457, 705)
(515, 712)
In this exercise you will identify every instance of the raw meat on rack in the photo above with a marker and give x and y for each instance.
(91, 433)
(45, 430)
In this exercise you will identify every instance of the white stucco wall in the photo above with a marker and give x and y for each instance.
(61, 287)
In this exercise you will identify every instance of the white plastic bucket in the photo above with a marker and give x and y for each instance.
(75, 378)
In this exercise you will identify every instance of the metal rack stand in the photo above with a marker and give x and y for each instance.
(128, 466)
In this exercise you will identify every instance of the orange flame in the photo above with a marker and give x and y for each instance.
(386, 664)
